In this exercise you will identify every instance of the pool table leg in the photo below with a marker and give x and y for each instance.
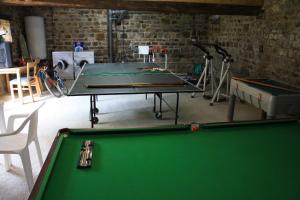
(231, 107)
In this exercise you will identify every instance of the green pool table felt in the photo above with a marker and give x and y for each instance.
(256, 162)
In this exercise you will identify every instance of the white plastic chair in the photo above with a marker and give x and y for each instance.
(14, 142)
(3, 129)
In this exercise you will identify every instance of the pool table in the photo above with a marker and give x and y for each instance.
(272, 97)
(234, 161)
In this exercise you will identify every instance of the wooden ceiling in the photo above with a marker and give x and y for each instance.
(215, 7)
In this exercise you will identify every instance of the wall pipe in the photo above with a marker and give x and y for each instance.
(110, 37)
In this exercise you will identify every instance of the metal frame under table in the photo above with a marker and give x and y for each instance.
(128, 73)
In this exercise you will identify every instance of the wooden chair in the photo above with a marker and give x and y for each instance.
(27, 82)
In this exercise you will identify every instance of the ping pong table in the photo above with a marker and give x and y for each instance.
(129, 78)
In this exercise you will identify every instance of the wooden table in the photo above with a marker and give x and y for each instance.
(17, 71)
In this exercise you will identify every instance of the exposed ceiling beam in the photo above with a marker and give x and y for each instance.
(221, 7)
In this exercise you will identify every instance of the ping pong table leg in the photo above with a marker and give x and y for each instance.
(177, 103)
(158, 114)
(154, 103)
(93, 110)
(160, 105)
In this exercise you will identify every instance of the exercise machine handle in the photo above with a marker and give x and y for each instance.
(224, 53)
(202, 48)
(221, 51)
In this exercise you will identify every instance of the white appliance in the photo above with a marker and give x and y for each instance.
(69, 63)
(82, 57)
(36, 37)
(65, 64)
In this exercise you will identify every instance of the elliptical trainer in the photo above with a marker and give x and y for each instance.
(224, 74)
(207, 73)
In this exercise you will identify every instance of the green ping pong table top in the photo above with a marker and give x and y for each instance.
(127, 74)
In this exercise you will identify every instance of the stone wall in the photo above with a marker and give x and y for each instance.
(87, 25)
(171, 31)
(263, 46)
(64, 26)
(267, 45)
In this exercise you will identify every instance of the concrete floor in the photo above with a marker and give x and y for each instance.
(115, 111)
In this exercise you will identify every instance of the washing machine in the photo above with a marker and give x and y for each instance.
(64, 60)
(82, 57)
